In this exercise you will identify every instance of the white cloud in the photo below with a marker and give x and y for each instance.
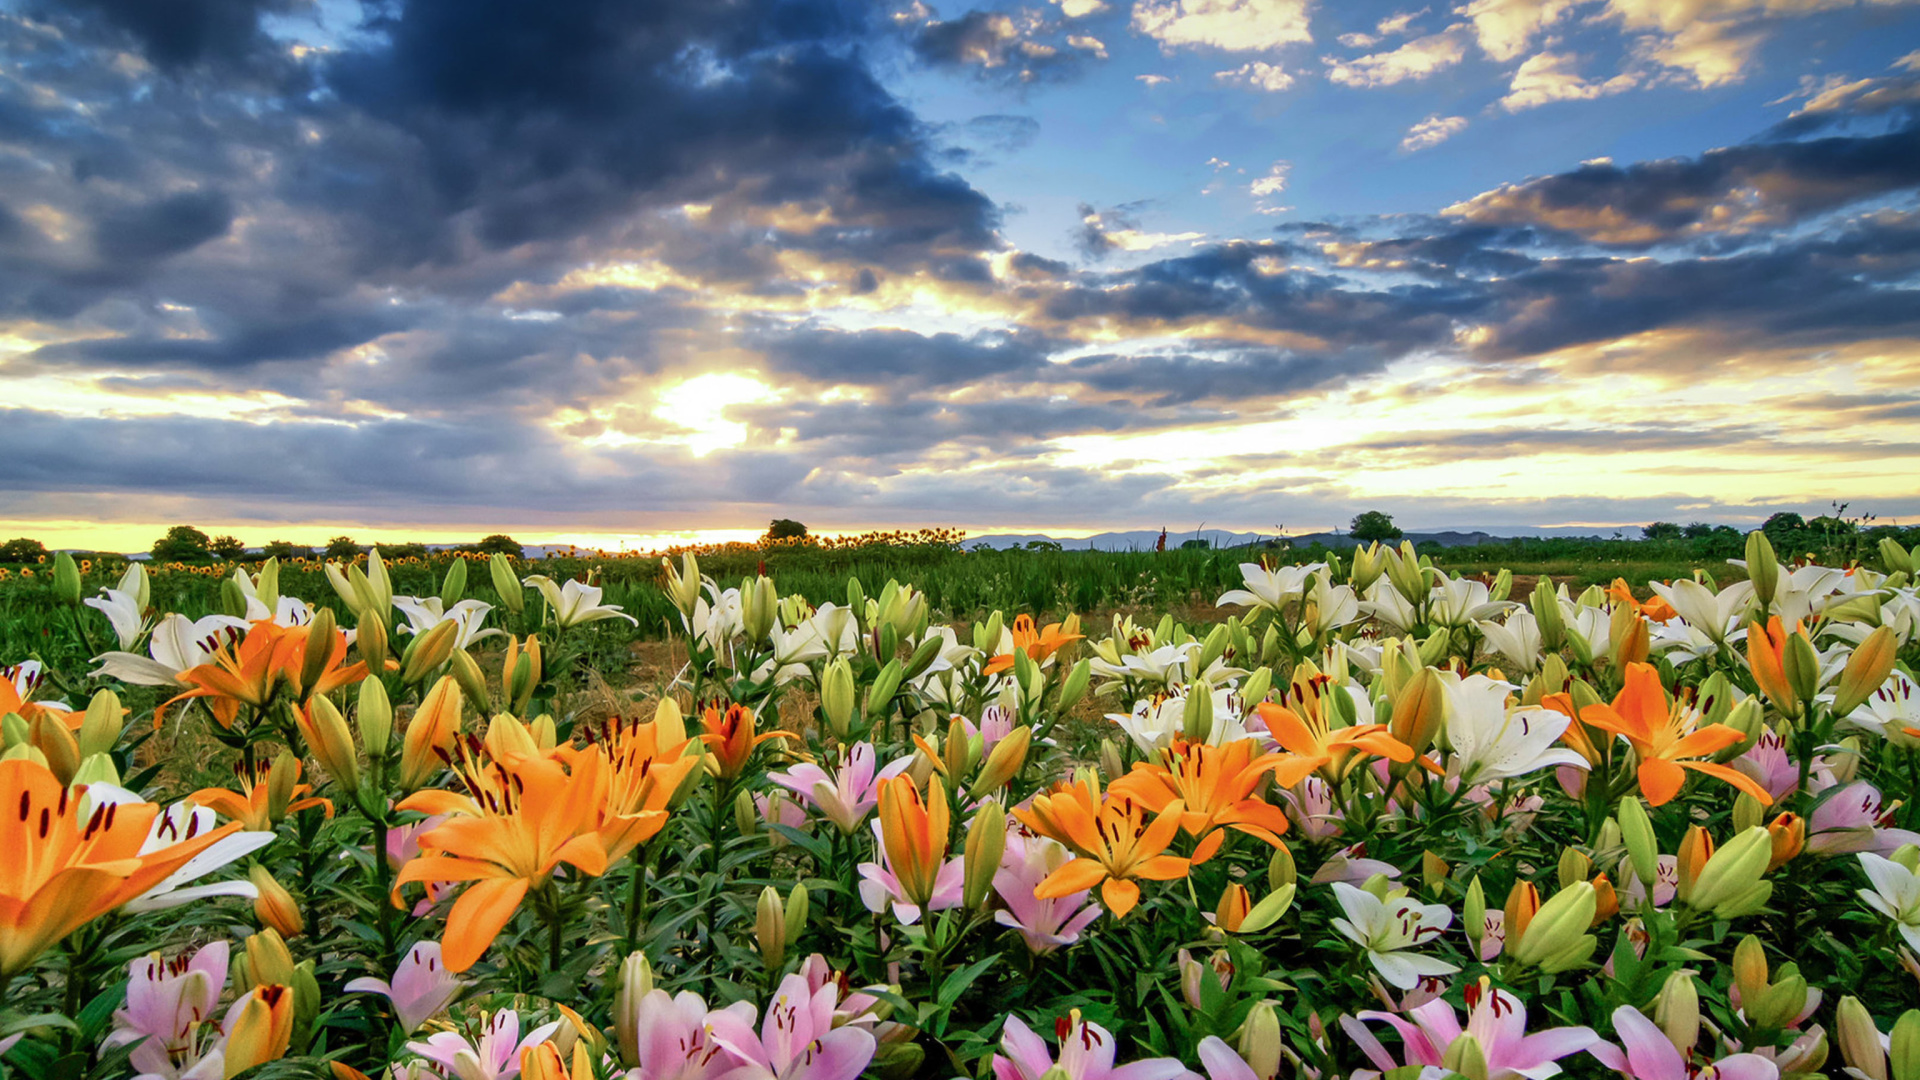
(1078, 9)
(1357, 40)
(1548, 77)
(1433, 131)
(1398, 24)
(1415, 60)
(1270, 185)
(1153, 80)
(1259, 75)
(1088, 43)
(1506, 28)
(1233, 25)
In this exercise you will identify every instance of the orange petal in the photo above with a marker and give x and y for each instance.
(1119, 896)
(477, 918)
(1074, 875)
(1660, 780)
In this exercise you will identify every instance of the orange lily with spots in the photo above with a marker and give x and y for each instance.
(1037, 644)
(730, 736)
(1115, 843)
(261, 803)
(915, 834)
(1300, 723)
(645, 770)
(506, 836)
(1215, 785)
(62, 870)
(252, 671)
(1655, 607)
(1766, 656)
(1666, 737)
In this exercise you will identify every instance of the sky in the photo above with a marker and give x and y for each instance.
(610, 272)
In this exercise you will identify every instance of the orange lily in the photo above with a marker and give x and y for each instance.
(253, 670)
(1038, 645)
(12, 702)
(518, 824)
(1215, 784)
(268, 793)
(1766, 655)
(730, 735)
(63, 870)
(1655, 607)
(432, 733)
(915, 834)
(1114, 842)
(1577, 736)
(1300, 724)
(1665, 736)
(645, 773)
(262, 1028)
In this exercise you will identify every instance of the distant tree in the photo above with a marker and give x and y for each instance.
(22, 550)
(1043, 545)
(785, 529)
(285, 549)
(1374, 525)
(1827, 525)
(227, 547)
(1195, 544)
(1695, 530)
(1661, 530)
(500, 544)
(412, 549)
(183, 543)
(342, 547)
(1781, 527)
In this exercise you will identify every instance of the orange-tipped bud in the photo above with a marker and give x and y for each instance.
(915, 834)
(1789, 834)
(1233, 907)
(1696, 847)
(1606, 900)
(1522, 903)
(261, 1031)
(544, 1062)
(431, 732)
(275, 906)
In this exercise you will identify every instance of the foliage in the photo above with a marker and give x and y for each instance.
(500, 544)
(22, 549)
(227, 547)
(1372, 525)
(341, 547)
(785, 529)
(183, 543)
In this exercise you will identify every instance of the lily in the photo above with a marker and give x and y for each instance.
(1215, 786)
(1045, 925)
(1667, 738)
(914, 869)
(169, 1008)
(796, 1040)
(1301, 724)
(1114, 843)
(1645, 1053)
(1457, 602)
(846, 795)
(1496, 1021)
(1385, 929)
(178, 644)
(1854, 819)
(576, 602)
(1891, 711)
(1716, 615)
(673, 1040)
(1517, 640)
(1039, 645)
(1156, 720)
(1492, 742)
(123, 611)
(1270, 589)
(1086, 1053)
(421, 989)
(426, 612)
(495, 1055)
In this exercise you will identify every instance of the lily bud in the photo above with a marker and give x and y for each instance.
(1677, 1011)
(1196, 721)
(282, 777)
(1747, 812)
(434, 725)
(1473, 913)
(1281, 871)
(513, 594)
(1074, 687)
(1232, 909)
(473, 682)
(1696, 847)
(1268, 910)
(986, 843)
(1556, 938)
(836, 698)
(1763, 568)
(1606, 900)
(1846, 762)
(1729, 884)
(266, 961)
(1419, 709)
(1574, 866)
(1859, 1040)
(232, 601)
(1434, 650)
(1254, 690)
(1546, 614)
(1788, 832)
(375, 717)
(66, 579)
(770, 929)
(96, 769)
(426, 652)
(1433, 870)
(1867, 668)
(1802, 666)
(1630, 639)
(683, 586)
(101, 728)
(1112, 765)
(1008, 758)
(329, 741)
(317, 650)
(1523, 901)
(636, 982)
(370, 637)
(1636, 831)
(1260, 1043)
(1750, 968)
(520, 671)
(1464, 1056)
(453, 586)
(1749, 719)
(1904, 1054)
(50, 736)
(275, 906)
(885, 685)
(958, 753)
(1895, 558)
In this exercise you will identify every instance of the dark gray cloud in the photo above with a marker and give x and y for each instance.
(1018, 48)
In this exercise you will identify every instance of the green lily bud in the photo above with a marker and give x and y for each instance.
(1574, 866)
(1254, 690)
(1556, 938)
(1904, 1053)
(1907, 855)
(322, 636)
(1196, 722)
(836, 698)
(986, 842)
(1727, 883)
(1465, 1057)
(267, 585)
(66, 579)
(104, 721)
(1802, 666)
(1894, 557)
(1502, 585)
(923, 657)
(1074, 687)
(746, 815)
(473, 681)
(1747, 812)
(1859, 1040)
(1677, 1011)
(1269, 910)
(1637, 831)
(636, 982)
(770, 929)
(885, 684)
(1610, 838)
(1260, 1041)
(375, 717)
(1281, 871)
(1435, 648)
(1545, 603)
(513, 595)
(1008, 758)
(232, 601)
(453, 586)
(1749, 719)
(1213, 648)
(1763, 568)
(426, 652)
(96, 769)
(1473, 913)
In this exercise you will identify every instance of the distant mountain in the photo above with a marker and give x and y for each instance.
(1144, 539)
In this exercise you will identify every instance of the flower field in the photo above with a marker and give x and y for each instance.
(1353, 817)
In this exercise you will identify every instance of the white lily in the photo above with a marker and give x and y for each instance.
(123, 610)
(1155, 720)
(1270, 589)
(1457, 602)
(1895, 894)
(834, 623)
(426, 612)
(1161, 666)
(1490, 741)
(575, 602)
(178, 643)
(287, 610)
(1680, 641)
(1385, 603)
(792, 650)
(1714, 614)
(717, 617)
(1386, 928)
(1517, 640)
(1890, 711)
(1591, 626)
(1332, 606)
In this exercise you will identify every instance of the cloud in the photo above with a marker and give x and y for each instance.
(186, 33)
(1116, 229)
(1080, 9)
(1507, 28)
(1548, 77)
(1230, 25)
(1004, 132)
(1258, 75)
(997, 45)
(1415, 60)
(1433, 131)
(1836, 96)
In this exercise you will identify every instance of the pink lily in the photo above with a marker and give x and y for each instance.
(848, 794)
(1767, 762)
(1350, 864)
(422, 986)
(1852, 820)
(1310, 805)
(797, 1039)
(494, 1056)
(996, 723)
(1086, 1053)
(1645, 1054)
(1045, 925)
(1497, 1021)
(675, 1042)
(168, 1002)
